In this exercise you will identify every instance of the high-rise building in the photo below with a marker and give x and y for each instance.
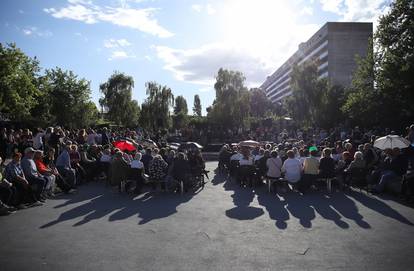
(335, 46)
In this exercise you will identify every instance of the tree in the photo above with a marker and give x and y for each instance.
(117, 99)
(180, 105)
(305, 100)
(382, 89)
(197, 106)
(18, 83)
(69, 98)
(314, 101)
(394, 40)
(259, 103)
(180, 118)
(362, 103)
(231, 107)
(156, 108)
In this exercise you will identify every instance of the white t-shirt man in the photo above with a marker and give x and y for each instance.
(292, 168)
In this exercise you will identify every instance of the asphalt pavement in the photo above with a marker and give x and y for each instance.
(221, 227)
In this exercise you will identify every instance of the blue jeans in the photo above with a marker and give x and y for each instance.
(386, 177)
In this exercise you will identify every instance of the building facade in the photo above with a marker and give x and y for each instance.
(334, 46)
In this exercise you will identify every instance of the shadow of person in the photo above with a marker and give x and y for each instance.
(348, 209)
(242, 197)
(321, 204)
(299, 206)
(87, 192)
(151, 206)
(275, 207)
(93, 209)
(218, 177)
(379, 206)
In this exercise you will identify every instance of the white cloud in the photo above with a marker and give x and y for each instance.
(200, 65)
(306, 11)
(356, 10)
(116, 55)
(196, 7)
(334, 6)
(208, 8)
(255, 40)
(206, 89)
(114, 43)
(34, 31)
(87, 12)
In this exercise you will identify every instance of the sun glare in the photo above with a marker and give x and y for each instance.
(266, 29)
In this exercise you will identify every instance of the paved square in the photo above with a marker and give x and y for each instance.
(223, 227)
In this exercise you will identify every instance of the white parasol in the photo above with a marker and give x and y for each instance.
(390, 142)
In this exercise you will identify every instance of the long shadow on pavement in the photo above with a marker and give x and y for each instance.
(242, 197)
(275, 207)
(379, 206)
(148, 206)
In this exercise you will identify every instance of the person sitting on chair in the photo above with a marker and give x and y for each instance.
(137, 173)
(274, 166)
(246, 169)
(396, 166)
(292, 168)
(311, 169)
(181, 169)
(326, 165)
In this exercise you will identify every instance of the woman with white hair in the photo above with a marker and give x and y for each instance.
(358, 162)
(136, 173)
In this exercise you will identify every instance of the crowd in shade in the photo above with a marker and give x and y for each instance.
(304, 163)
(40, 164)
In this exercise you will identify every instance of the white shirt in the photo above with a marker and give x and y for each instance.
(274, 166)
(246, 162)
(292, 168)
(236, 156)
(137, 164)
(38, 141)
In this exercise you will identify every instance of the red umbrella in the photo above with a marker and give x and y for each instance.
(124, 145)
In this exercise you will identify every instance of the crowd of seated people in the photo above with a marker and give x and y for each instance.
(56, 161)
(41, 163)
(304, 166)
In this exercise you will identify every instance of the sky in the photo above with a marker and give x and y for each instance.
(177, 43)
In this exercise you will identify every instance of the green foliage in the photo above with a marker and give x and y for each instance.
(388, 101)
(260, 105)
(197, 106)
(231, 107)
(117, 100)
(313, 101)
(180, 105)
(180, 118)
(156, 108)
(68, 99)
(395, 68)
(18, 83)
(362, 103)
